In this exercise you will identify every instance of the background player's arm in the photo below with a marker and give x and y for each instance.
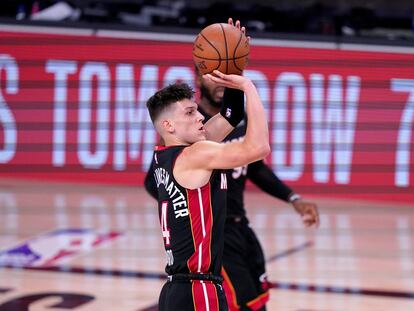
(261, 175)
(217, 128)
(149, 182)
(231, 113)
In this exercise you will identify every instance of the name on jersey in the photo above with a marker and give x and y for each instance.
(179, 202)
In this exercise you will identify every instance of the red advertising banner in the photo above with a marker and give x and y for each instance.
(72, 108)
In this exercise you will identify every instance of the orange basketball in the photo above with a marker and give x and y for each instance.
(223, 47)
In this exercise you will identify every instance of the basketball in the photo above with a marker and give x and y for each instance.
(223, 47)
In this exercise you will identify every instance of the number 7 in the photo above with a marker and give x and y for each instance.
(402, 156)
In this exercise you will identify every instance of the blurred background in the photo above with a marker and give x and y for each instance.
(337, 82)
(391, 20)
(336, 78)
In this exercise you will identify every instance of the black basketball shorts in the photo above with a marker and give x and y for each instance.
(192, 295)
(245, 282)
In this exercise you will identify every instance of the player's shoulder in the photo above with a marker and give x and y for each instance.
(201, 149)
(205, 144)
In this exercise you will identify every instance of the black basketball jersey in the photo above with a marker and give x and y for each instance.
(236, 178)
(192, 220)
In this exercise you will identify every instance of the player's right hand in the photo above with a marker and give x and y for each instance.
(233, 81)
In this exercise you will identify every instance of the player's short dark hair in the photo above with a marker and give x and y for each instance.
(162, 99)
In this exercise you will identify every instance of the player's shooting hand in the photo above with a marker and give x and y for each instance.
(308, 211)
(232, 81)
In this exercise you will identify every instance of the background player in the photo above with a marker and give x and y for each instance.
(192, 193)
(245, 280)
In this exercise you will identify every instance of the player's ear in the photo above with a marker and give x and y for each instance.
(168, 126)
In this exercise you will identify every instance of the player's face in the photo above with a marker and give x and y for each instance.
(212, 92)
(188, 122)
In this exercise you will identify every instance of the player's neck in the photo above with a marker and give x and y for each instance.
(209, 109)
(173, 141)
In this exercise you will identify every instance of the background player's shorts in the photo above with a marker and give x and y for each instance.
(244, 274)
(192, 295)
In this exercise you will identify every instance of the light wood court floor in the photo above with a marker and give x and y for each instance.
(103, 247)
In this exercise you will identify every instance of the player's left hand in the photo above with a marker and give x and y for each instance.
(238, 25)
(308, 211)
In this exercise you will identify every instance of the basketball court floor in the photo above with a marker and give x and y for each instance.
(90, 248)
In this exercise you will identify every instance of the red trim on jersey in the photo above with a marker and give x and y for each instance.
(229, 291)
(259, 302)
(204, 294)
(192, 229)
(201, 218)
(162, 147)
(159, 148)
(212, 296)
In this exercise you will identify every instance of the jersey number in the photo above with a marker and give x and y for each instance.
(238, 171)
(164, 224)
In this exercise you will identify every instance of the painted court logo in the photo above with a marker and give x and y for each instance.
(54, 247)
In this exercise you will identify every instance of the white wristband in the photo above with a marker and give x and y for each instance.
(294, 197)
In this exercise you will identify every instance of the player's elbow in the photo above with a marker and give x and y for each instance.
(263, 150)
(259, 151)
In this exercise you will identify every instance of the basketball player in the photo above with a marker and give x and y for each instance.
(245, 282)
(191, 188)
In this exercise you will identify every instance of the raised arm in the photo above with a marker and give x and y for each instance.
(255, 145)
(263, 177)
(204, 156)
